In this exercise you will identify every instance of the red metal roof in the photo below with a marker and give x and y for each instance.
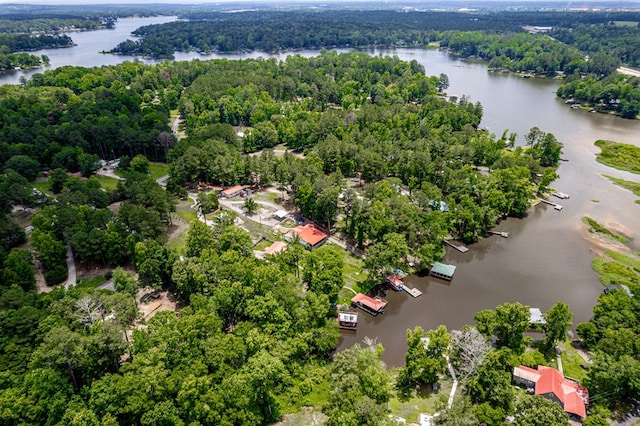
(276, 247)
(549, 380)
(310, 234)
(376, 304)
(232, 190)
(395, 280)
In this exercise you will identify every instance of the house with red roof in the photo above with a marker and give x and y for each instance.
(552, 384)
(309, 236)
(276, 248)
(233, 191)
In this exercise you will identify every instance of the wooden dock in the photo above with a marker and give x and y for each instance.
(412, 291)
(501, 233)
(460, 248)
(555, 206)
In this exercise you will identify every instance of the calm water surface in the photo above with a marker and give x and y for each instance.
(547, 257)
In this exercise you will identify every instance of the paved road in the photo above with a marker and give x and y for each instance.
(71, 267)
(629, 71)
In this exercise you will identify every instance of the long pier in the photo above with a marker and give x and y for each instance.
(555, 206)
(460, 248)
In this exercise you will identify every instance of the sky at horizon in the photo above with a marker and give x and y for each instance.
(213, 2)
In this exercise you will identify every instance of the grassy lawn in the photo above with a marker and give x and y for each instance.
(179, 242)
(619, 269)
(353, 274)
(263, 244)
(188, 216)
(184, 210)
(410, 406)
(106, 182)
(619, 155)
(41, 184)
(571, 361)
(266, 196)
(157, 170)
(91, 283)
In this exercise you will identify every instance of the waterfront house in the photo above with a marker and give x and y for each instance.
(372, 305)
(443, 271)
(551, 384)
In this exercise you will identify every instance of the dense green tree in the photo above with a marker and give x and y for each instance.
(536, 410)
(507, 322)
(124, 281)
(250, 206)
(558, 318)
(359, 379)
(18, 270)
(207, 202)
(323, 271)
(460, 413)
(25, 165)
(65, 350)
(199, 237)
(390, 253)
(424, 360)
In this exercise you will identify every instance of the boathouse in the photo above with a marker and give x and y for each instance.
(348, 320)
(551, 384)
(372, 305)
(443, 271)
(395, 281)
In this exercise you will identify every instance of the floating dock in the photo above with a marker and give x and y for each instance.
(412, 291)
(460, 248)
(561, 195)
(501, 233)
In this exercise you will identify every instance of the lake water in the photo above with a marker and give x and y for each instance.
(547, 257)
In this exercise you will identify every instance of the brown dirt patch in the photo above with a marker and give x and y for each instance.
(162, 301)
(601, 243)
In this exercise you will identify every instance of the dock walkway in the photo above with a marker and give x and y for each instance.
(460, 248)
(555, 206)
(501, 233)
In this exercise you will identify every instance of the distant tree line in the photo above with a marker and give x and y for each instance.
(615, 93)
(493, 36)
